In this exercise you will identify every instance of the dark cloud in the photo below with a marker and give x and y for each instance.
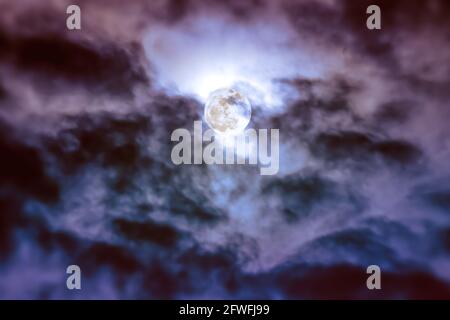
(400, 152)
(159, 283)
(23, 169)
(362, 242)
(168, 116)
(11, 218)
(439, 199)
(106, 139)
(193, 207)
(100, 255)
(240, 9)
(321, 283)
(347, 144)
(300, 194)
(3, 93)
(102, 69)
(54, 240)
(446, 239)
(394, 112)
(433, 196)
(177, 9)
(346, 20)
(360, 146)
(313, 104)
(162, 235)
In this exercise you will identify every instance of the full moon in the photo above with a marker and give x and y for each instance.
(227, 111)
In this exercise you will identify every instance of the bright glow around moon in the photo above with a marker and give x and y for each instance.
(202, 56)
(227, 111)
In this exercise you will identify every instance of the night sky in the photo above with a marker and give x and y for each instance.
(86, 176)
